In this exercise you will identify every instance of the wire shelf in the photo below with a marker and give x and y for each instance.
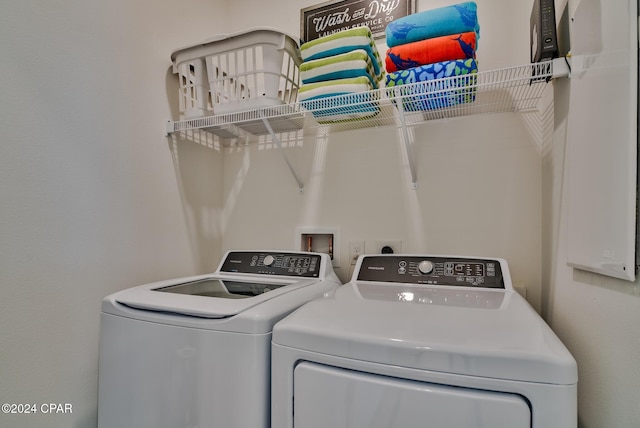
(505, 90)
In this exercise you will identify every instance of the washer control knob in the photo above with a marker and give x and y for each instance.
(425, 267)
(268, 260)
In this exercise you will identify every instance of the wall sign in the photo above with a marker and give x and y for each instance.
(333, 16)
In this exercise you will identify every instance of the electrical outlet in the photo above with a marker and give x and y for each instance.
(393, 246)
(356, 248)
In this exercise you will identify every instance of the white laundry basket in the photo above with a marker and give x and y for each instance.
(243, 71)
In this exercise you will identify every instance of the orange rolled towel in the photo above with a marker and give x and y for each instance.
(429, 51)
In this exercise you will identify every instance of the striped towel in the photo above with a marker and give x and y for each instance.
(340, 100)
(454, 19)
(435, 93)
(343, 66)
(341, 42)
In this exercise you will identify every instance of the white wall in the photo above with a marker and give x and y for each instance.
(96, 199)
(92, 198)
(597, 317)
(478, 192)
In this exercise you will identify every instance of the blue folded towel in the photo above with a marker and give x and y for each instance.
(454, 19)
(444, 84)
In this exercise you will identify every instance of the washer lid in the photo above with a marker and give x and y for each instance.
(211, 296)
(475, 332)
(243, 280)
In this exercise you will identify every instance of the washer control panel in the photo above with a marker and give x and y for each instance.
(450, 271)
(269, 263)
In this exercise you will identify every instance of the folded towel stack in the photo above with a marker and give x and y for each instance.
(346, 62)
(434, 44)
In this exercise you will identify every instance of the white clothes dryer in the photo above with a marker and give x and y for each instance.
(196, 351)
(419, 340)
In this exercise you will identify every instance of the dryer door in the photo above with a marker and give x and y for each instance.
(340, 398)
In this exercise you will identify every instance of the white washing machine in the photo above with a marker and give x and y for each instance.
(422, 341)
(196, 352)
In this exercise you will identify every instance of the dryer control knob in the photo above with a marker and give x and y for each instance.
(268, 260)
(425, 267)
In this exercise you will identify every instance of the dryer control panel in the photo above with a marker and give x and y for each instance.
(271, 263)
(450, 271)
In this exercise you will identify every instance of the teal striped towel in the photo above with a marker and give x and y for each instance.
(342, 42)
(356, 63)
(340, 100)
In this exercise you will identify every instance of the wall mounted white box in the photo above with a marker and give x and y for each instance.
(319, 239)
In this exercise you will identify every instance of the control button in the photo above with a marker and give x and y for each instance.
(425, 267)
(268, 260)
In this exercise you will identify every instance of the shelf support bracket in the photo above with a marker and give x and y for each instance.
(278, 143)
(405, 137)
